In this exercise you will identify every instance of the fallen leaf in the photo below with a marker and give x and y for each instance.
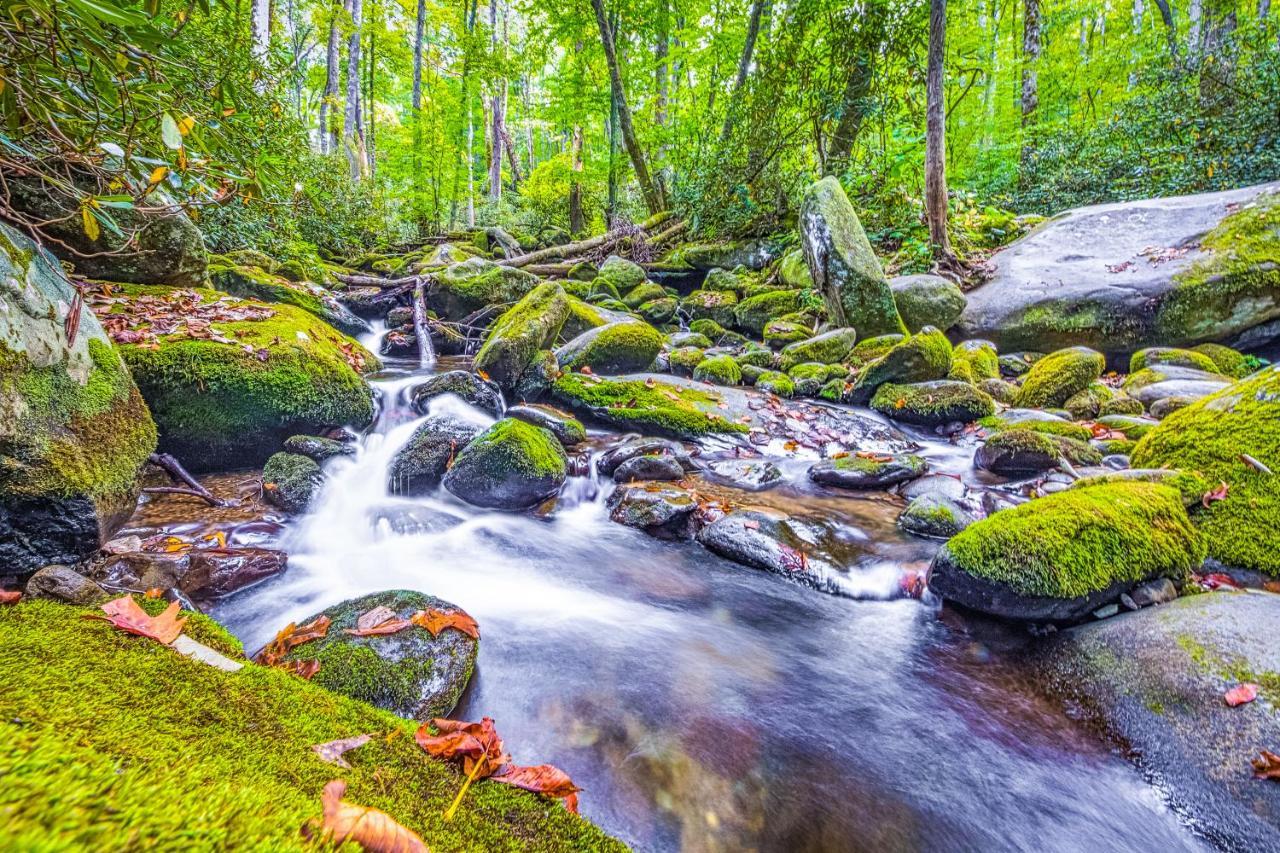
(374, 830)
(542, 779)
(475, 744)
(1241, 694)
(304, 669)
(333, 751)
(127, 615)
(291, 636)
(1218, 580)
(751, 524)
(436, 621)
(218, 539)
(8, 596)
(1218, 494)
(377, 622)
(154, 593)
(1267, 765)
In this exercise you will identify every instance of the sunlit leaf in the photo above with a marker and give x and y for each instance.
(169, 132)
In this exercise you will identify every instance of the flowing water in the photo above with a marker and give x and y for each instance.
(707, 706)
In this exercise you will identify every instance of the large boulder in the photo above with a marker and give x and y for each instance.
(226, 395)
(420, 464)
(474, 284)
(461, 383)
(1213, 437)
(614, 348)
(1158, 272)
(410, 673)
(927, 300)
(923, 357)
(1060, 557)
(511, 465)
(256, 283)
(74, 431)
(1055, 378)
(931, 404)
(830, 347)
(515, 340)
(649, 405)
(843, 265)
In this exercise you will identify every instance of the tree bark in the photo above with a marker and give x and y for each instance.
(577, 217)
(744, 65)
(495, 115)
(653, 197)
(351, 132)
(329, 103)
(419, 35)
(1030, 73)
(1195, 12)
(260, 22)
(1217, 70)
(370, 119)
(935, 158)
(1170, 28)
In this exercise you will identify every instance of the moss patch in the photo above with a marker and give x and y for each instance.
(1050, 426)
(1057, 376)
(661, 408)
(718, 370)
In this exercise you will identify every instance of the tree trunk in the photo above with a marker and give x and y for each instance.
(1170, 28)
(1030, 78)
(653, 197)
(260, 22)
(351, 131)
(935, 158)
(854, 108)
(329, 103)
(661, 76)
(495, 115)
(1218, 67)
(1139, 10)
(1195, 11)
(577, 217)
(419, 34)
(370, 121)
(744, 65)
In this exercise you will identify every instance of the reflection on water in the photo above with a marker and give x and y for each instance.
(706, 706)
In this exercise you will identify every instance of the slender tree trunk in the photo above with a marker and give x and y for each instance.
(993, 72)
(1170, 28)
(1030, 73)
(653, 197)
(661, 76)
(419, 36)
(370, 119)
(1218, 67)
(351, 131)
(577, 216)
(495, 115)
(611, 205)
(744, 65)
(1196, 12)
(260, 22)
(854, 107)
(329, 103)
(935, 158)
(1139, 10)
(419, 188)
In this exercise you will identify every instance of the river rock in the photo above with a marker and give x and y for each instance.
(622, 274)
(409, 673)
(1154, 680)
(614, 348)
(752, 254)
(74, 431)
(748, 475)
(511, 465)
(616, 456)
(923, 357)
(659, 509)
(714, 305)
(927, 300)
(1018, 452)
(253, 282)
(648, 467)
(474, 284)
(867, 472)
(1118, 277)
(62, 583)
(215, 572)
(290, 481)
(318, 449)
(932, 404)
(1178, 389)
(830, 347)
(942, 485)
(562, 425)
(754, 313)
(1060, 557)
(461, 383)
(529, 326)
(935, 517)
(1055, 378)
(844, 268)
(418, 467)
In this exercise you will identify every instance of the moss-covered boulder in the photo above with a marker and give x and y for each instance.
(616, 348)
(227, 397)
(567, 429)
(930, 404)
(974, 361)
(683, 360)
(1036, 422)
(468, 286)
(775, 382)
(461, 383)
(74, 431)
(709, 329)
(999, 390)
(1060, 557)
(1019, 452)
(652, 407)
(290, 481)
(511, 465)
(409, 673)
(1086, 404)
(778, 333)
(751, 314)
(935, 516)
(645, 291)
(715, 305)
(793, 271)
(718, 370)
(1213, 437)
(845, 270)
(1227, 361)
(420, 464)
(734, 281)
(659, 311)
(527, 328)
(1057, 376)
(622, 275)
(867, 471)
(1155, 356)
(922, 357)
(256, 283)
(830, 347)
(318, 449)
(927, 300)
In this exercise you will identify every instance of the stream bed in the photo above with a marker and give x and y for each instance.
(703, 705)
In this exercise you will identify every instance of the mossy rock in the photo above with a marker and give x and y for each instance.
(1226, 360)
(725, 280)
(973, 361)
(659, 408)
(591, 289)
(220, 407)
(643, 292)
(927, 300)
(1133, 427)
(567, 429)
(932, 404)
(1015, 364)
(1086, 404)
(935, 516)
(683, 360)
(622, 274)
(756, 356)
(1053, 379)
(409, 673)
(468, 286)
(688, 339)
(255, 283)
(709, 329)
(1210, 437)
(1154, 356)
(752, 313)
(462, 383)
(616, 348)
(1018, 452)
(659, 311)
(511, 465)
(1190, 486)
(718, 370)
(1000, 390)
(922, 357)
(419, 465)
(869, 349)
(1062, 556)
(793, 271)
(1120, 404)
(778, 333)
(74, 431)
(524, 330)
(827, 348)
(774, 382)
(584, 316)
(290, 481)
(715, 305)
(867, 472)
(1046, 425)
(318, 449)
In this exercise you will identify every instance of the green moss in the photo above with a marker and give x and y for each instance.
(659, 311)
(709, 328)
(973, 361)
(474, 283)
(642, 293)
(524, 330)
(774, 382)
(1225, 360)
(1208, 437)
(1074, 322)
(1120, 404)
(793, 271)
(1087, 403)
(219, 406)
(1232, 670)
(716, 305)
(114, 740)
(752, 313)
(616, 348)
(254, 283)
(514, 445)
(1059, 375)
(1073, 543)
(661, 409)
(756, 356)
(828, 348)
(1237, 283)
(932, 403)
(289, 480)
(624, 275)
(683, 360)
(1048, 426)
(778, 333)
(870, 349)
(1153, 356)
(718, 370)
(920, 358)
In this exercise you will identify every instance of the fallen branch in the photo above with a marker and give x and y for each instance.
(663, 236)
(510, 248)
(167, 463)
(374, 280)
(591, 244)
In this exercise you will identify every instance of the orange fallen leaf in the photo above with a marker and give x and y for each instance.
(218, 538)
(154, 593)
(373, 829)
(436, 621)
(304, 669)
(473, 743)
(1267, 765)
(483, 375)
(333, 750)
(10, 596)
(290, 637)
(900, 402)
(1241, 694)
(542, 779)
(127, 615)
(1218, 494)
(377, 622)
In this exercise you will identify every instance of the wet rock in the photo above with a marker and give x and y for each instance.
(749, 475)
(1023, 451)
(1155, 679)
(718, 370)
(62, 583)
(318, 449)
(612, 348)
(754, 313)
(461, 383)
(1060, 557)
(1159, 591)
(419, 465)
(941, 485)
(1016, 364)
(1055, 378)
(934, 403)
(524, 330)
(923, 357)
(369, 302)
(714, 305)
(659, 509)
(475, 283)
(409, 673)
(867, 472)
(1182, 390)
(927, 300)
(290, 481)
(999, 390)
(1162, 408)
(562, 425)
(512, 465)
(676, 340)
(140, 570)
(623, 274)
(808, 551)
(657, 467)
(215, 572)
(615, 457)
(935, 517)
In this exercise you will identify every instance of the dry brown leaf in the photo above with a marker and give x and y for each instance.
(10, 596)
(543, 779)
(470, 742)
(374, 830)
(304, 669)
(127, 615)
(333, 751)
(378, 622)
(436, 621)
(291, 636)
(1267, 765)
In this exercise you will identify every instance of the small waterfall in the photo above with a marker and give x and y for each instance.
(426, 352)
